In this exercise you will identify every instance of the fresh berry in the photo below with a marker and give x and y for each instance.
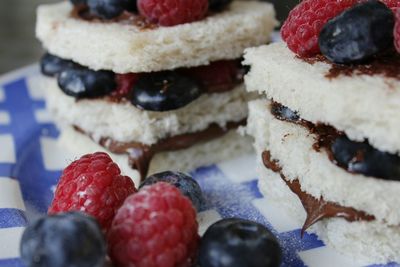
(81, 82)
(186, 184)
(218, 5)
(358, 33)
(397, 31)
(173, 12)
(218, 76)
(239, 243)
(51, 65)
(304, 23)
(125, 83)
(362, 158)
(394, 5)
(92, 184)
(106, 9)
(63, 240)
(79, 2)
(163, 91)
(155, 227)
(130, 5)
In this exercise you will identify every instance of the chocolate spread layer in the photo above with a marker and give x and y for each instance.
(385, 64)
(140, 155)
(316, 209)
(127, 18)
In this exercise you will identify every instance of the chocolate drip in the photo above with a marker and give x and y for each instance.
(387, 64)
(140, 155)
(316, 209)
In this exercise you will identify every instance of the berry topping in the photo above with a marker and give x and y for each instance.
(394, 5)
(125, 83)
(304, 23)
(106, 9)
(218, 5)
(92, 184)
(186, 184)
(82, 82)
(358, 33)
(239, 243)
(163, 91)
(397, 31)
(51, 65)
(154, 227)
(362, 158)
(173, 12)
(63, 240)
(219, 76)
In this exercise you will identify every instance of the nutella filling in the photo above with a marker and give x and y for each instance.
(354, 157)
(387, 64)
(316, 209)
(140, 155)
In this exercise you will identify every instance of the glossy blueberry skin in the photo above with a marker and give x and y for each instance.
(358, 33)
(186, 184)
(239, 243)
(81, 82)
(51, 65)
(63, 240)
(362, 158)
(218, 5)
(106, 9)
(164, 91)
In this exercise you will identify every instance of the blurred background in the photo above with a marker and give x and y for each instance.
(18, 46)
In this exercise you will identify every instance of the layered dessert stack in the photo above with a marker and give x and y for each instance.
(328, 134)
(157, 83)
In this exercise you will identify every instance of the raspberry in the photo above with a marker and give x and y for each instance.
(155, 227)
(304, 23)
(397, 31)
(92, 184)
(219, 76)
(173, 12)
(125, 83)
(392, 4)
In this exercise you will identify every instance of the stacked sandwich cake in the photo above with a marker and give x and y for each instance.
(328, 134)
(157, 83)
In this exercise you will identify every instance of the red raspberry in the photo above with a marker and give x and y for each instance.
(397, 31)
(392, 4)
(219, 76)
(173, 12)
(92, 184)
(155, 227)
(301, 29)
(125, 83)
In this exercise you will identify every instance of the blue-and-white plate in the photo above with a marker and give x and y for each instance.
(31, 162)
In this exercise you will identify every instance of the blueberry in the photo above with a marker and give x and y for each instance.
(106, 9)
(79, 2)
(63, 240)
(218, 5)
(82, 82)
(51, 65)
(284, 113)
(163, 91)
(130, 5)
(358, 33)
(362, 158)
(239, 243)
(186, 184)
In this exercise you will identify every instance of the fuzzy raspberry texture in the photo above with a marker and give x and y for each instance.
(155, 227)
(125, 83)
(304, 23)
(92, 184)
(397, 31)
(173, 12)
(219, 76)
(392, 4)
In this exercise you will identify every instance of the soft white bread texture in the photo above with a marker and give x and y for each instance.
(125, 48)
(365, 107)
(376, 241)
(202, 154)
(291, 145)
(124, 122)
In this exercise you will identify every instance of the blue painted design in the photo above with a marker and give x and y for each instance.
(12, 218)
(11, 263)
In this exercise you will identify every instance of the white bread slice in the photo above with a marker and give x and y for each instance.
(124, 122)
(125, 48)
(202, 154)
(363, 106)
(291, 145)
